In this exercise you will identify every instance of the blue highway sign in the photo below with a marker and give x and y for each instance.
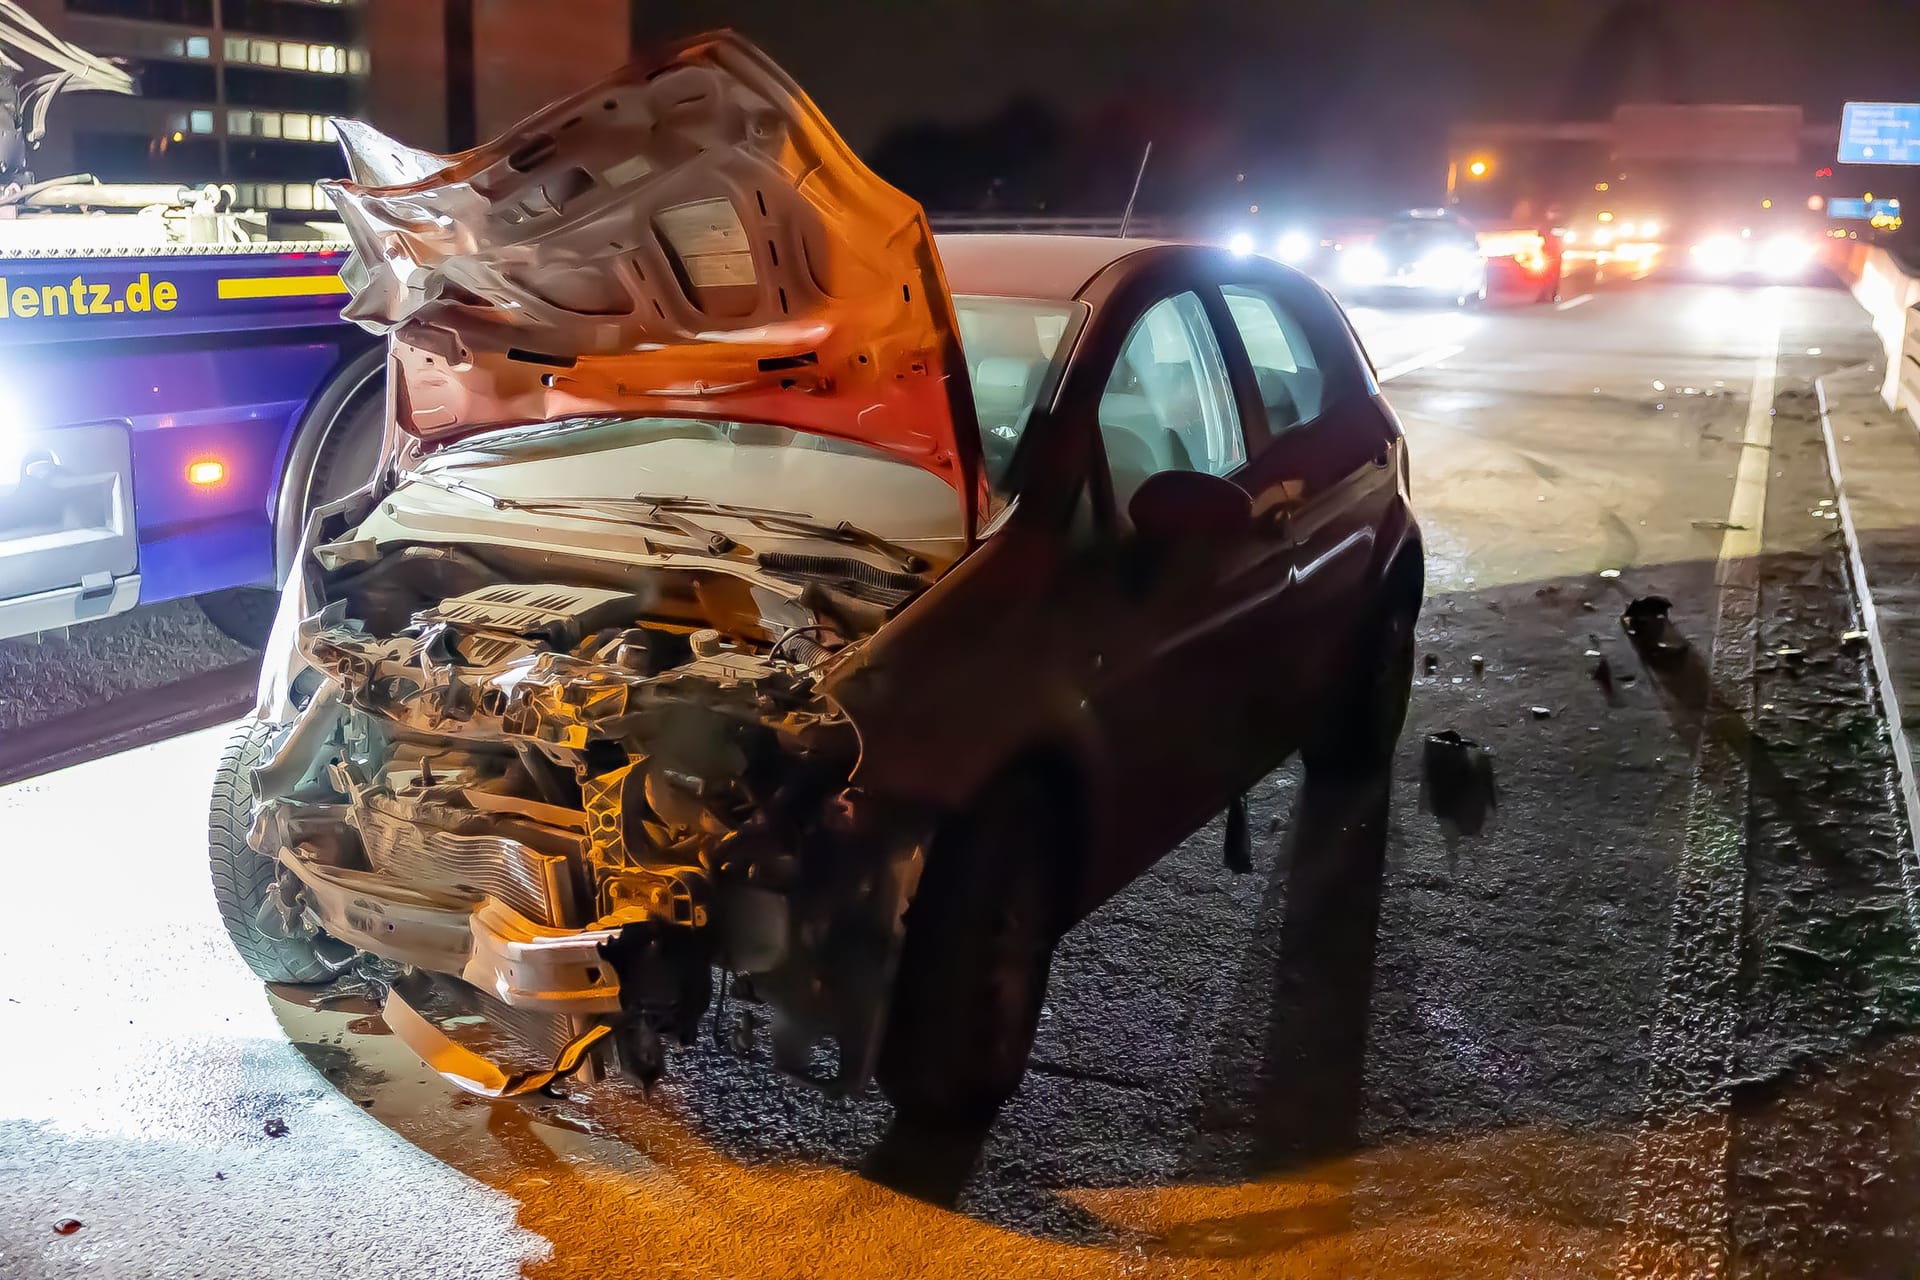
(1880, 133)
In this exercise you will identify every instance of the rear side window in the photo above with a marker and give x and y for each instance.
(1291, 384)
(1168, 405)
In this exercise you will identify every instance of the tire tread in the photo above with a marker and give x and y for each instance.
(242, 877)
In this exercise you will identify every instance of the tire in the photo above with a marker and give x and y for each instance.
(242, 879)
(1363, 727)
(344, 461)
(974, 965)
(241, 613)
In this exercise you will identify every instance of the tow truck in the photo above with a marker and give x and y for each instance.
(177, 388)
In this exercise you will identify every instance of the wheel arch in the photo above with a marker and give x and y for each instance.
(1407, 568)
(329, 408)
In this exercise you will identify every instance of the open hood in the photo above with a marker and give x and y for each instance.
(689, 238)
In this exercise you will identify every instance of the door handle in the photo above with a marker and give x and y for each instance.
(1277, 525)
(1383, 459)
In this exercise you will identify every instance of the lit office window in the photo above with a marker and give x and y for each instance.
(302, 196)
(293, 126)
(199, 47)
(200, 121)
(293, 55)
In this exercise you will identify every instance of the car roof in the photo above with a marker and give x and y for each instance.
(1031, 266)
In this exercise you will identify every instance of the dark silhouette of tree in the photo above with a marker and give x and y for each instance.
(1632, 33)
(1006, 163)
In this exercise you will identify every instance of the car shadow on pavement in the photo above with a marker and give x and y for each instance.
(1325, 889)
(1289, 1092)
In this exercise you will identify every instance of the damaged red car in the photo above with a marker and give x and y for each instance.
(764, 605)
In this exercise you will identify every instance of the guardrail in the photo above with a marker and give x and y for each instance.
(1041, 224)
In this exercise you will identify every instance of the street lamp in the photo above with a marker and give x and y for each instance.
(1478, 168)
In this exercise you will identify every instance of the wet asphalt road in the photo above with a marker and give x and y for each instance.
(1655, 1018)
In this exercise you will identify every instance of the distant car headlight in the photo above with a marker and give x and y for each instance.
(1628, 230)
(1363, 265)
(1294, 247)
(1241, 243)
(1603, 235)
(1651, 229)
(1785, 256)
(1718, 255)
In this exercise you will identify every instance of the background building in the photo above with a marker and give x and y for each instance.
(242, 91)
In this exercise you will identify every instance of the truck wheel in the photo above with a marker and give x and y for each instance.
(1363, 727)
(349, 418)
(974, 964)
(242, 879)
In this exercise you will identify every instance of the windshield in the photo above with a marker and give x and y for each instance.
(1011, 346)
(738, 464)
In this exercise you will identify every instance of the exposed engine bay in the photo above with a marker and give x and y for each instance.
(564, 752)
(547, 813)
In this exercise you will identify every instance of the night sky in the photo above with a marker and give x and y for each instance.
(1350, 99)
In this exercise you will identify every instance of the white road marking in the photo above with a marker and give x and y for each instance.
(1677, 1219)
(1421, 361)
(1578, 300)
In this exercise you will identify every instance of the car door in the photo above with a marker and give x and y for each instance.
(1323, 473)
(1179, 629)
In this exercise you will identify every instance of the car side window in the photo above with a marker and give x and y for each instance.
(1291, 385)
(1168, 404)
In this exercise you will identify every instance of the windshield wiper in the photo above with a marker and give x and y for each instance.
(787, 522)
(629, 512)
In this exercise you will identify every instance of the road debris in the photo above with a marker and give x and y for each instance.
(1431, 662)
(275, 1127)
(1456, 783)
(1609, 573)
(1479, 664)
(1852, 639)
(67, 1226)
(1718, 526)
(1540, 713)
(1648, 622)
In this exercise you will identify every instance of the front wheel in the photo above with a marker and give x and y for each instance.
(1363, 728)
(244, 880)
(974, 965)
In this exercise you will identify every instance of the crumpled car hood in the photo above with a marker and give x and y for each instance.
(688, 237)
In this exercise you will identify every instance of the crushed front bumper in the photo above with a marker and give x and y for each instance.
(521, 963)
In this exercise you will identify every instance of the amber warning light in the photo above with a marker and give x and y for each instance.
(206, 472)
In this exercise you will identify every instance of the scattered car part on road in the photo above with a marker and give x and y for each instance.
(1456, 782)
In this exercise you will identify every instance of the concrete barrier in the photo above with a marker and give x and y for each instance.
(1891, 294)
